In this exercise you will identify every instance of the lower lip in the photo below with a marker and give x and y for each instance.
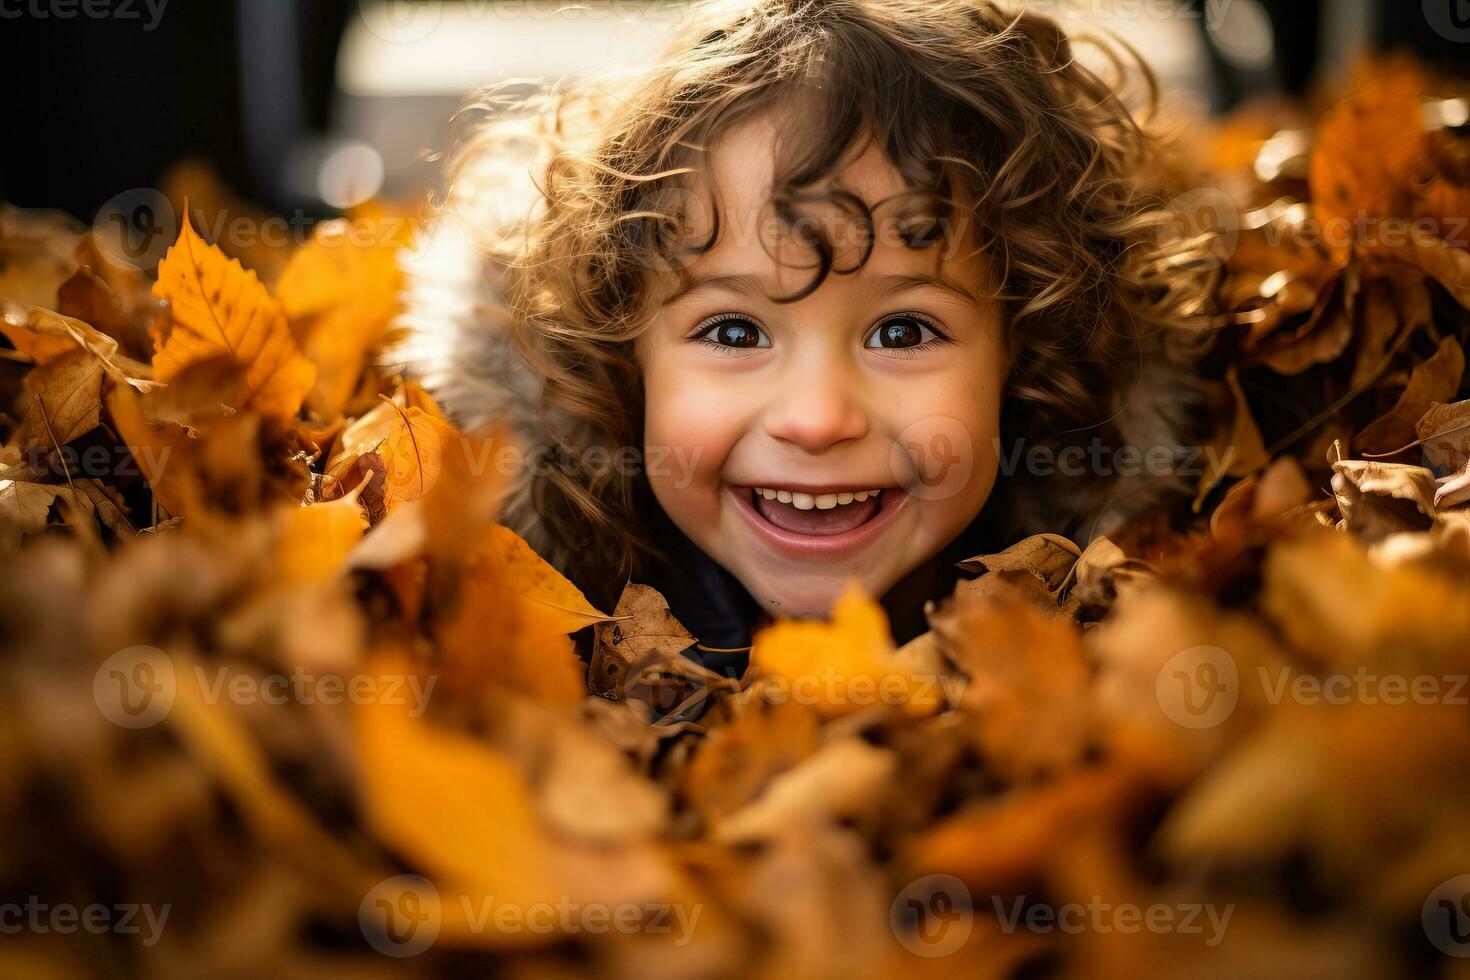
(820, 545)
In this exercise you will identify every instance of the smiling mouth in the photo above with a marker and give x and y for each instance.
(820, 515)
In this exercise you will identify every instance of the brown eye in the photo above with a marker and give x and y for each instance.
(900, 332)
(736, 331)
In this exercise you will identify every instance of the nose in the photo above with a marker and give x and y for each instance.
(816, 408)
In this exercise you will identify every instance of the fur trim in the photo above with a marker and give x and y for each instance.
(454, 340)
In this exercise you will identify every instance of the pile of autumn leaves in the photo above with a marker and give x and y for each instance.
(263, 503)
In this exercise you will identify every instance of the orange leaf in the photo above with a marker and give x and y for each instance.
(848, 664)
(318, 538)
(344, 285)
(218, 307)
(454, 806)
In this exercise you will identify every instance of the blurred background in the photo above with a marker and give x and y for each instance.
(316, 105)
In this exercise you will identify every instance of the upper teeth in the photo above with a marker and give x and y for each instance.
(821, 501)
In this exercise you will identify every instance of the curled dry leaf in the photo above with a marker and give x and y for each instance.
(1377, 499)
(642, 626)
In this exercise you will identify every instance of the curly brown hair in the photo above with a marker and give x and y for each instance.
(985, 113)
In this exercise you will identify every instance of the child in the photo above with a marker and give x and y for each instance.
(838, 289)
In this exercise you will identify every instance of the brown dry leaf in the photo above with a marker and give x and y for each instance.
(1331, 779)
(24, 509)
(848, 664)
(1444, 435)
(1444, 438)
(493, 640)
(1103, 569)
(116, 300)
(1176, 682)
(217, 307)
(410, 434)
(1026, 683)
(1445, 264)
(1333, 603)
(1435, 380)
(1321, 339)
(589, 791)
(1048, 557)
(1237, 448)
(642, 627)
(43, 336)
(1377, 499)
(1453, 490)
(1000, 845)
(841, 781)
(36, 250)
(739, 759)
(64, 399)
(217, 738)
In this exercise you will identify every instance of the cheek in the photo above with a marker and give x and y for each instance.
(692, 427)
(945, 450)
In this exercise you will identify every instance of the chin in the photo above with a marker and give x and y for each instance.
(807, 597)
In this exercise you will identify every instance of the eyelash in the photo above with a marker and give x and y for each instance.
(705, 328)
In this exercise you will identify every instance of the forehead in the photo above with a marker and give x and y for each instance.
(742, 165)
(734, 183)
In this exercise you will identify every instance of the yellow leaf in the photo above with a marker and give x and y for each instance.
(342, 289)
(318, 538)
(413, 451)
(153, 446)
(453, 806)
(505, 562)
(220, 308)
(848, 664)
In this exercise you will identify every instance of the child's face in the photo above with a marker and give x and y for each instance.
(876, 381)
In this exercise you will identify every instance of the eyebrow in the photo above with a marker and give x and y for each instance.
(752, 285)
